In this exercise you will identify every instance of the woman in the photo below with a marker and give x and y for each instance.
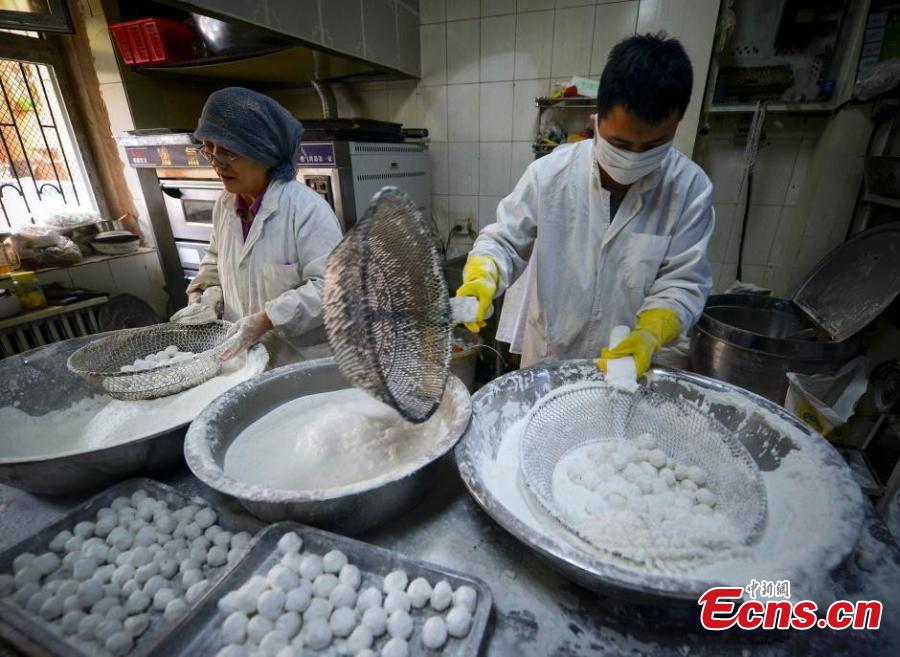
(271, 233)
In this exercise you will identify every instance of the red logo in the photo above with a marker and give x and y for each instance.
(723, 607)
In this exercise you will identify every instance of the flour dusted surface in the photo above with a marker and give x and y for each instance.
(329, 440)
(100, 421)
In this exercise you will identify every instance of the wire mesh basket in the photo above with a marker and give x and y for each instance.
(577, 416)
(101, 361)
(387, 309)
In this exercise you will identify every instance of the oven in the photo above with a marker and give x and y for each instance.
(189, 206)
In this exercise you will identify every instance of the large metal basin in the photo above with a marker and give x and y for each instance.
(747, 340)
(769, 433)
(350, 509)
(38, 382)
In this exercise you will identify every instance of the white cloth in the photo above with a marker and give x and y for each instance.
(280, 268)
(589, 274)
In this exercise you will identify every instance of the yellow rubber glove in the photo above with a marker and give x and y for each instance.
(655, 328)
(481, 276)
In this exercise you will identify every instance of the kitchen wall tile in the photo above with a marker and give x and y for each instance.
(721, 238)
(723, 162)
(440, 214)
(404, 105)
(612, 23)
(573, 35)
(494, 167)
(433, 42)
(463, 51)
(534, 5)
(463, 112)
(432, 11)
(460, 9)
(772, 172)
(525, 112)
(463, 208)
(798, 175)
(434, 112)
(762, 224)
(487, 210)
(498, 45)
(440, 171)
(497, 7)
(496, 111)
(522, 155)
(463, 160)
(534, 45)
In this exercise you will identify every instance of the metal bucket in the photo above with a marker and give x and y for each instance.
(752, 341)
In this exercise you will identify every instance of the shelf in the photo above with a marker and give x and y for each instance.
(882, 200)
(577, 102)
(88, 260)
(785, 108)
(51, 311)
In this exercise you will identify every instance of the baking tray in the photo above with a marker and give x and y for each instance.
(197, 633)
(34, 637)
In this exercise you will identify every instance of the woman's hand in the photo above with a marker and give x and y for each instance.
(245, 333)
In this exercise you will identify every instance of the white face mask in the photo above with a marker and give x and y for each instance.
(624, 166)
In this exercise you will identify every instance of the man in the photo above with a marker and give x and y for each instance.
(615, 229)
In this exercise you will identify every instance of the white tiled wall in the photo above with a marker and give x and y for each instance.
(805, 182)
(483, 64)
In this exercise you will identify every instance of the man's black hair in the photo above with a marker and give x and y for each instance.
(649, 75)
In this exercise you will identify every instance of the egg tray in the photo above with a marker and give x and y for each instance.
(37, 638)
(197, 635)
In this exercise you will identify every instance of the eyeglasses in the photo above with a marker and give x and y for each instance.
(223, 158)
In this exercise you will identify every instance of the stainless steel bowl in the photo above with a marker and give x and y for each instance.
(350, 509)
(768, 431)
(38, 382)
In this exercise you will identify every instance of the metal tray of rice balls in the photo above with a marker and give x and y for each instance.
(274, 564)
(41, 631)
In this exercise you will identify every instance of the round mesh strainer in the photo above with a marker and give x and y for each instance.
(100, 360)
(387, 310)
(574, 416)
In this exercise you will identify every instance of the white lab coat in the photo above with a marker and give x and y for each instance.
(590, 275)
(280, 268)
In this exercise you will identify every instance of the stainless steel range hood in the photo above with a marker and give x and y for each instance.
(329, 39)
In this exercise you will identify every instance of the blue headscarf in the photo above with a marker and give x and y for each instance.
(254, 126)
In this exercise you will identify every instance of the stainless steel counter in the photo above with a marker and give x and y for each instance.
(538, 613)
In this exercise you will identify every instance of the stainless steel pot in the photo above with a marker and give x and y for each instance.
(350, 509)
(752, 341)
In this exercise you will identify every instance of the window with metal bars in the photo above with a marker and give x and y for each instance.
(40, 167)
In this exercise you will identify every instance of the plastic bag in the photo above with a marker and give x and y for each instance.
(826, 402)
(66, 218)
(883, 77)
(43, 246)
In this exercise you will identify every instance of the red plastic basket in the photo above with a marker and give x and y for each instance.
(153, 40)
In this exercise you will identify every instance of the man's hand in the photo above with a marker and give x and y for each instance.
(655, 328)
(245, 333)
(480, 279)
